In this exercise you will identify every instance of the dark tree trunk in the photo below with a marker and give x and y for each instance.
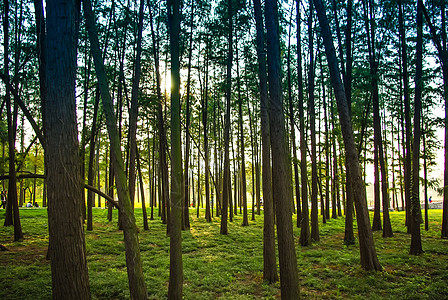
(208, 208)
(136, 279)
(186, 215)
(242, 146)
(304, 222)
(407, 118)
(226, 186)
(425, 179)
(161, 128)
(133, 113)
(416, 240)
(176, 267)
(293, 136)
(349, 236)
(12, 216)
(269, 257)
(142, 191)
(369, 260)
(312, 115)
(90, 175)
(443, 57)
(281, 174)
(68, 253)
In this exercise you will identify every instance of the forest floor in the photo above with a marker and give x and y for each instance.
(231, 266)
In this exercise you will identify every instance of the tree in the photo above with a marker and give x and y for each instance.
(369, 260)
(312, 114)
(269, 257)
(176, 267)
(226, 186)
(416, 240)
(68, 253)
(133, 114)
(304, 222)
(289, 279)
(136, 280)
(12, 216)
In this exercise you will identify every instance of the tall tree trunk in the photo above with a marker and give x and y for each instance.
(68, 253)
(416, 240)
(293, 136)
(133, 113)
(82, 148)
(425, 179)
(369, 260)
(90, 176)
(12, 216)
(226, 184)
(186, 215)
(304, 222)
(242, 146)
(281, 174)
(443, 57)
(349, 236)
(176, 266)
(161, 127)
(136, 279)
(269, 257)
(208, 212)
(407, 118)
(312, 114)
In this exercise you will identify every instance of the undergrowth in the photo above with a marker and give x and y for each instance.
(230, 266)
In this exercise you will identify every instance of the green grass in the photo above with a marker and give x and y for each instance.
(230, 267)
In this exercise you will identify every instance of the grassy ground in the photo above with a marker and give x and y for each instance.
(230, 267)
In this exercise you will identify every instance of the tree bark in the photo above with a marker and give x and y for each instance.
(269, 257)
(443, 57)
(90, 175)
(312, 116)
(176, 266)
(186, 215)
(416, 240)
(281, 174)
(133, 113)
(369, 260)
(136, 279)
(304, 222)
(407, 118)
(226, 185)
(68, 253)
(161, 127)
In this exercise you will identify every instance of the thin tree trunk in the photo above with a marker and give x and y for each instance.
(293, 135)
(226, 190)
(369, 260)
(312, 114)
(304, 222)
(12, 216)
(416, 240)
(407, 118)
(161, 128)
(242, 142)
(142, 192)
(136, 279)
(443, 57)
(133, 113)
(90, 176)
(269, 257)
(186, 216)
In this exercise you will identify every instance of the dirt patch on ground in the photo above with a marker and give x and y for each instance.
(24, 255)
